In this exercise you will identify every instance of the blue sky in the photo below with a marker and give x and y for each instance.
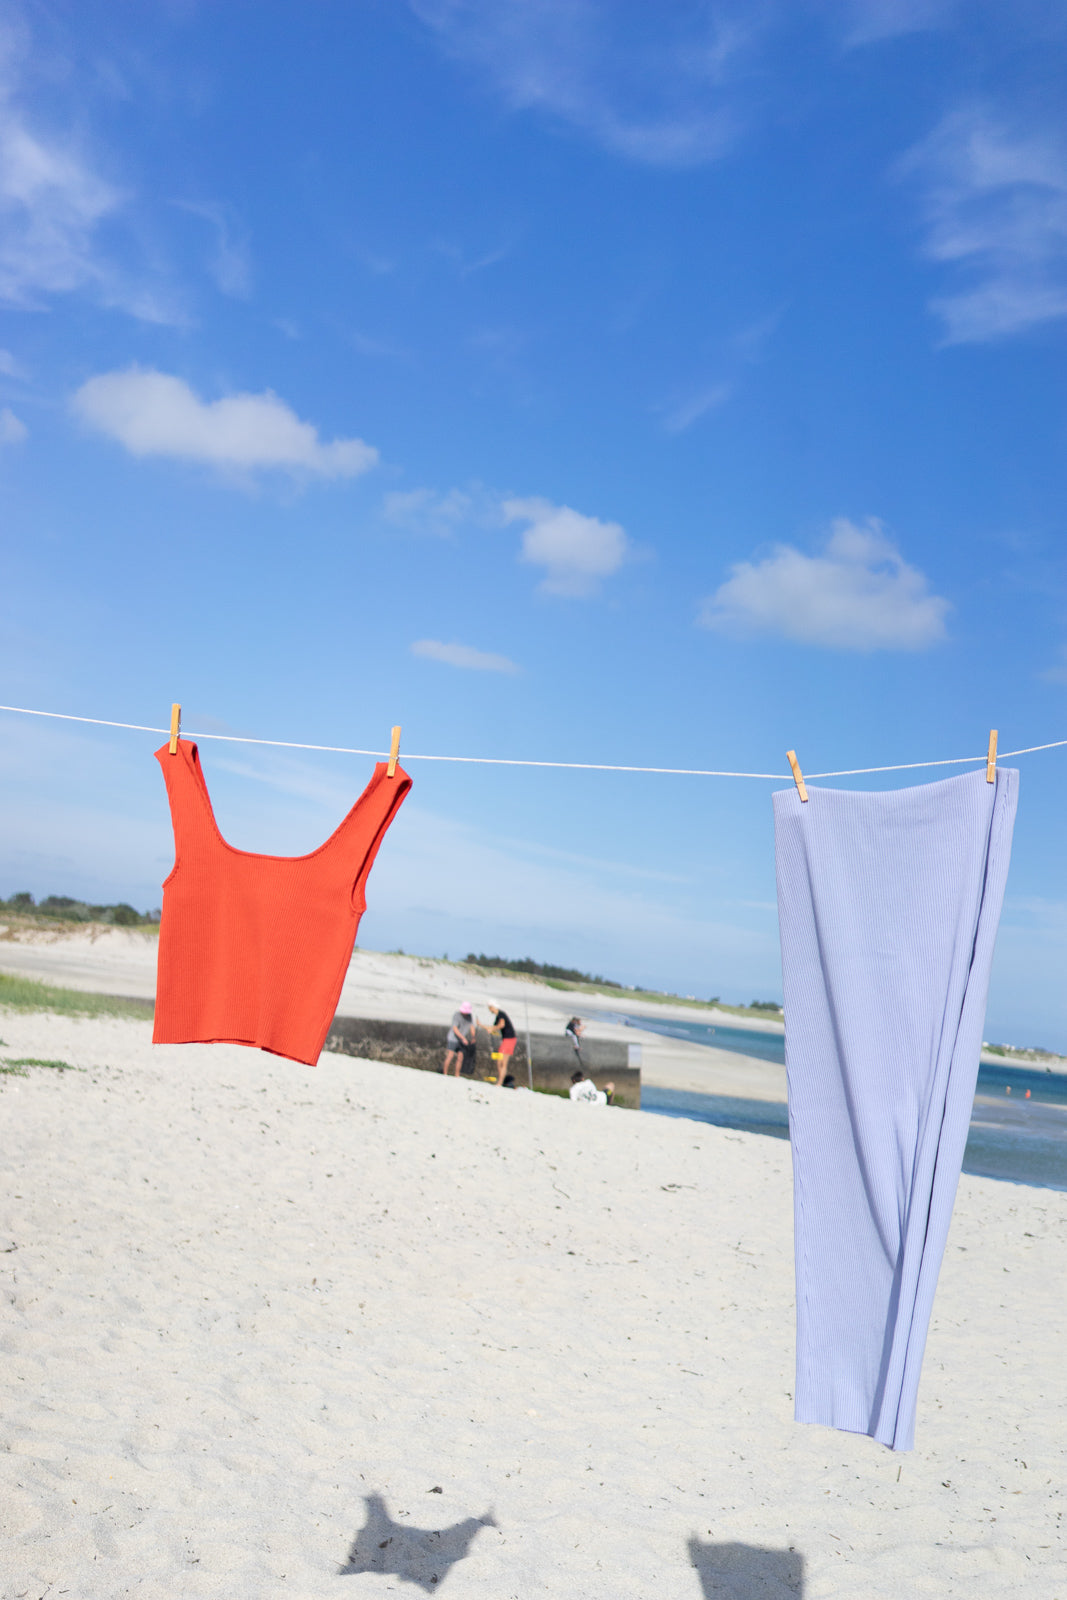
(568, 380)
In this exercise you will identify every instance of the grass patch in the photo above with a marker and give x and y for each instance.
(26, 994)
(620, 992)
(36, 1061)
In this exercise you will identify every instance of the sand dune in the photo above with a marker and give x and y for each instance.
(280, 1331)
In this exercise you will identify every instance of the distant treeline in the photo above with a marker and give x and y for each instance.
(540, 969)
(65, 909)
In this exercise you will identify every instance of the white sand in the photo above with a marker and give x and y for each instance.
(246, 1295)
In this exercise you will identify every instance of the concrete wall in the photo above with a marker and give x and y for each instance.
(422, 1045)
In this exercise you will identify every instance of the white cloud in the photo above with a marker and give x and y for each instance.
(995, 210)
(859, 594)
(655, 92)
(462, 655)
(9, 367)
(577, 551)
(12, 430)
(155, 414)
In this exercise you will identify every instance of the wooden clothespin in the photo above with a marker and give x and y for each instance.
(798, 776)
(991, 758)
(175, 727)
(394, 751)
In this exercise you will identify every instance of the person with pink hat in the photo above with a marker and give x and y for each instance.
(462, 1036)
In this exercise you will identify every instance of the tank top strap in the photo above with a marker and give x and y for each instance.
(191, 815)
(366, 825)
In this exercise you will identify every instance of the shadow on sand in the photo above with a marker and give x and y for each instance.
(418, 1555)
(746, 1572)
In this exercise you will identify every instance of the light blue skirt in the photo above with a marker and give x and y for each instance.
(888, 907)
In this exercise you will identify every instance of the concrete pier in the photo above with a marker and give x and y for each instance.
(422, 1045)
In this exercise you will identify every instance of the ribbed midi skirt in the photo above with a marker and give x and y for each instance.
(888, 907)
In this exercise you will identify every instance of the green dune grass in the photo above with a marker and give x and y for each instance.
(25, 994)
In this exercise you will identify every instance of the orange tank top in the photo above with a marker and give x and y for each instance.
(254, 949)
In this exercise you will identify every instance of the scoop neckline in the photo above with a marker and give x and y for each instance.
(193, 755)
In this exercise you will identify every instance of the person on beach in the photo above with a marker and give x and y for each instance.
(585, 1092)
(504, 1047)
(462, 1038)
(573, 1031)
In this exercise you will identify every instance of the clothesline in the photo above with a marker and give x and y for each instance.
(566, 766)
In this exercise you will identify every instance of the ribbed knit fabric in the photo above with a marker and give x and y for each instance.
(254, 949)
(888, 907)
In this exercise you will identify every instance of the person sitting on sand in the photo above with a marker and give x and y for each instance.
(504, 1049)
(462, 1036)
(585, 1092)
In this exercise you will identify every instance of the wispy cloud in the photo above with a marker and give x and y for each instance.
(379, 349)
(467, 265)
(54, 207)
(51, 204)
(12, 429)
(750, 342)
(1057, 673)
(55, 837)
(462, 655)
(434, 511)
(576, 551)
(228, 262)
(857, 594)
(872, 21)
(682, 413)
(652, 90)
(156, 414)
(513, 892)
(10, 368)
(994, 200)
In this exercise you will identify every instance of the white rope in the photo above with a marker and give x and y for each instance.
(506, 761)
(953, 761)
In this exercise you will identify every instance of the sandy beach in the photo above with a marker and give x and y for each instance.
(269, 1327)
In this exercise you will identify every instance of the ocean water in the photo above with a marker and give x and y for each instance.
(1016, 1139)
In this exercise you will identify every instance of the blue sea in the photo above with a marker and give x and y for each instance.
(1013, 1138)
